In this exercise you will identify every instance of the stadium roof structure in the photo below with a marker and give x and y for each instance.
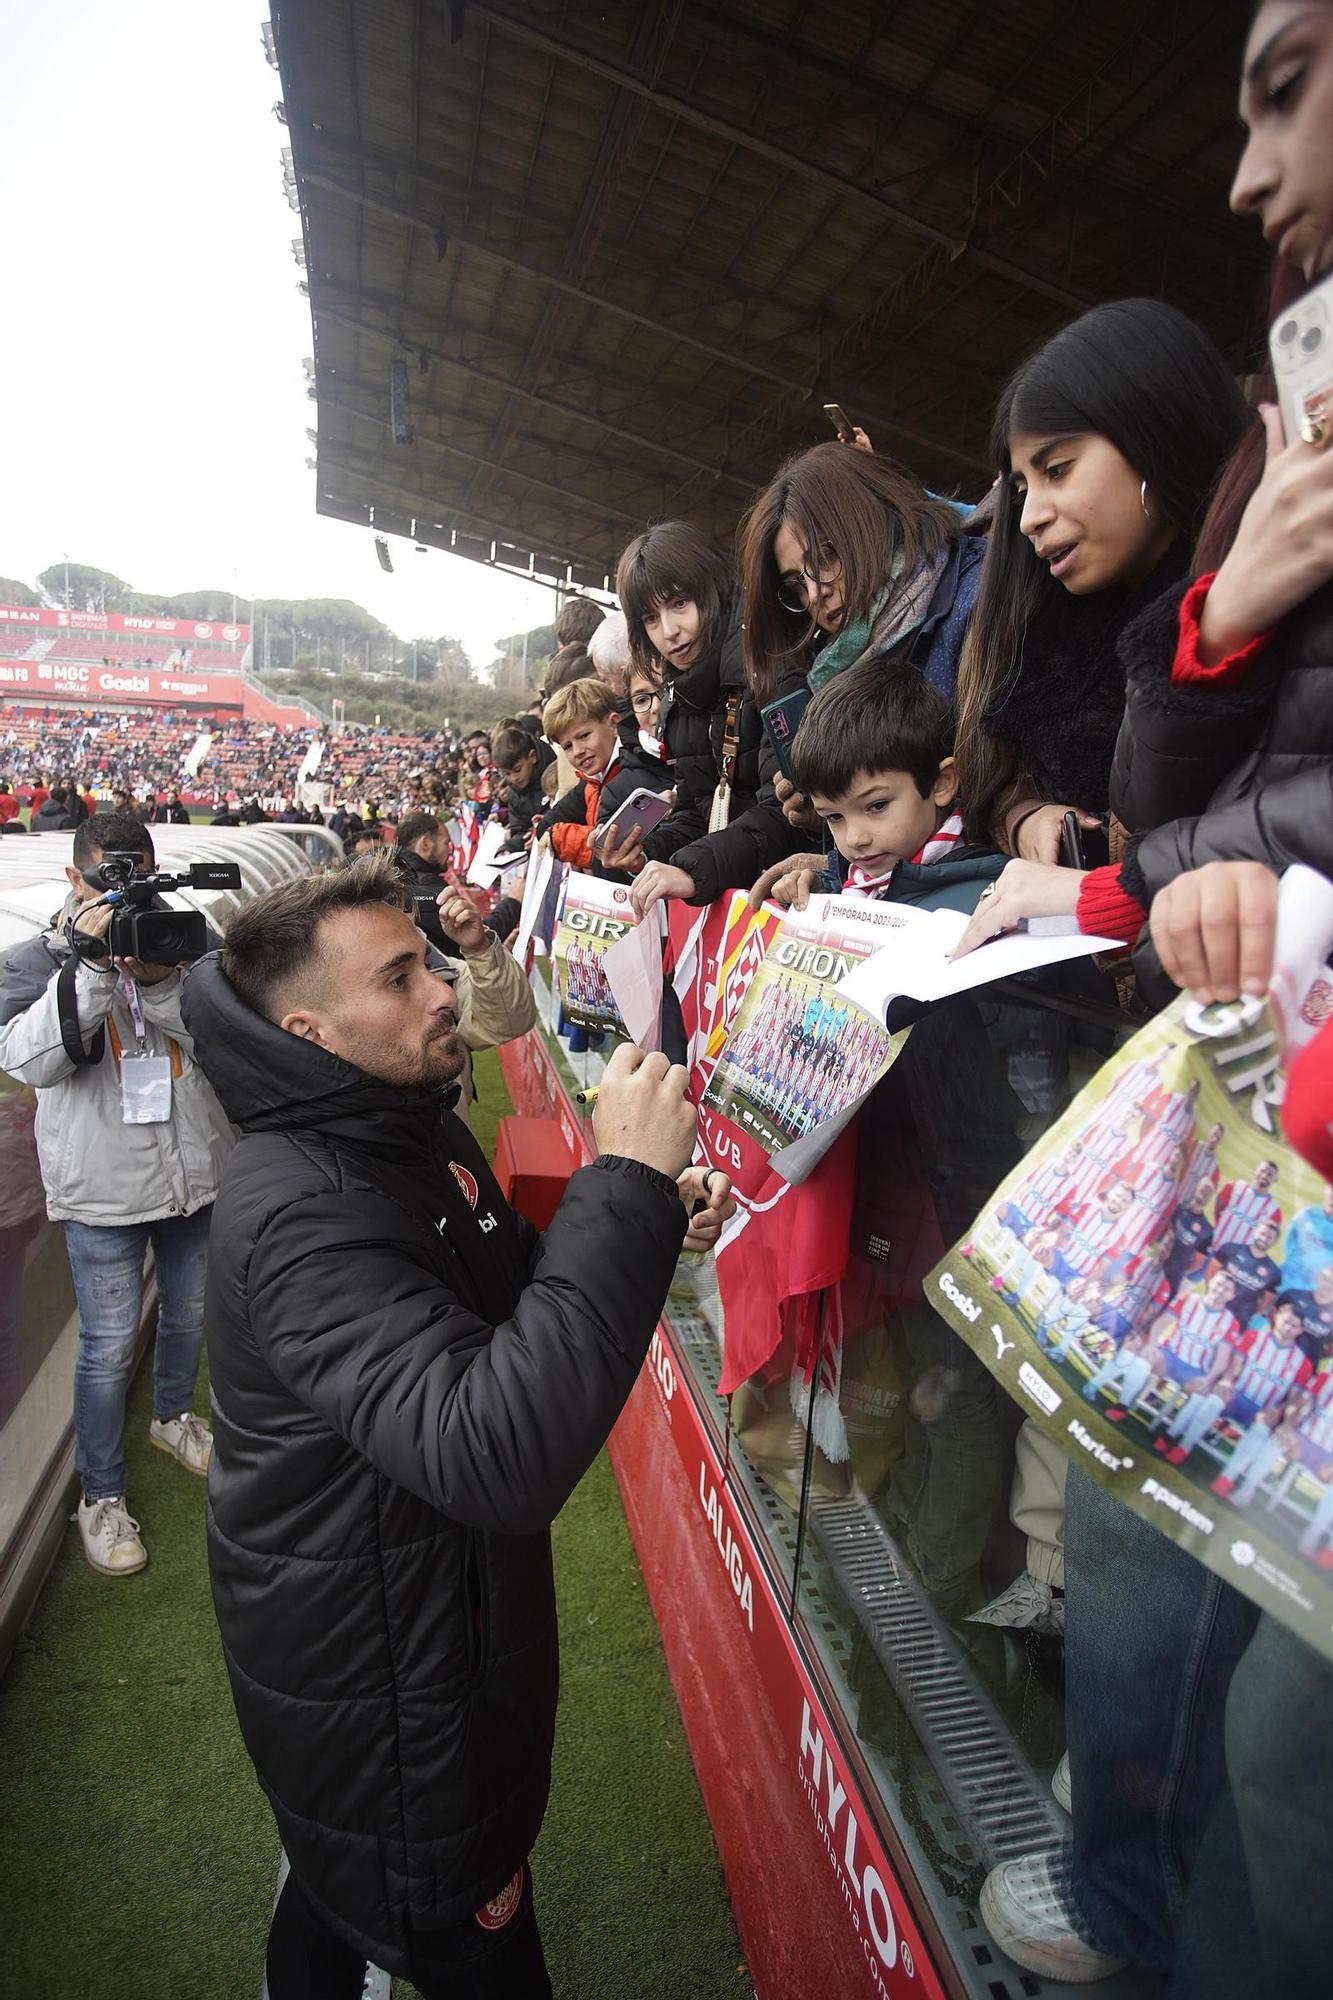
(575, 265)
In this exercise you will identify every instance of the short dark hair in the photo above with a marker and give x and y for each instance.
(273, 939)
(509, 743)
(576, 621)
(110, 833)
(673, 559)
(416, 826)
(872, 718)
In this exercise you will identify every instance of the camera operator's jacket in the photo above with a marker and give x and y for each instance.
(407, 1385)
(96, 1168)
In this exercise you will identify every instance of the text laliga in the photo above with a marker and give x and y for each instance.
(727, 1546)
(866, 1883)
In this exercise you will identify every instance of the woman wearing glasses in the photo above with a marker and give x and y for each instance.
(843, 556)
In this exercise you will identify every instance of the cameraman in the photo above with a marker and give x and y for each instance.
(118, 1186)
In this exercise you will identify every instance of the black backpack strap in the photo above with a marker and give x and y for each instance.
(67, 1007)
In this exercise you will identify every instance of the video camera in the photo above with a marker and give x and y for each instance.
(155, 937)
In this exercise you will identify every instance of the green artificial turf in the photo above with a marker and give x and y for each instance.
(139, 1856)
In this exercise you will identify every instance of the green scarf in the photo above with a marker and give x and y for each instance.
(894, 615)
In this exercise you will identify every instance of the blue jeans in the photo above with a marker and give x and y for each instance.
(1280, 1762)
(1151, 1641)
(107, 1267)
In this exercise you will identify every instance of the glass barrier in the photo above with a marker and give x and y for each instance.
(920, 1535)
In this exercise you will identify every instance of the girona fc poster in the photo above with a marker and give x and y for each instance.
(593, 915)
(799, 1058)
(1153, 1285)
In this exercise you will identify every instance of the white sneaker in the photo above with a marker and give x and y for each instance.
(1028, 1908)
(110, 1537)
(186, 1437)
(1062, 1789)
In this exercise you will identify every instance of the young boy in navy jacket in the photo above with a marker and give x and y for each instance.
(874, 755)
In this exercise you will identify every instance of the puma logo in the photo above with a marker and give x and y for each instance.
(1002, 1346)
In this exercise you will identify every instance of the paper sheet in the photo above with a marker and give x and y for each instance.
(633, 970)
(541, 867)
(916, 962)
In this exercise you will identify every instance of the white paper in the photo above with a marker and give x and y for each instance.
(633, 970)
(541, 867)
(917, 964)
(485, 869)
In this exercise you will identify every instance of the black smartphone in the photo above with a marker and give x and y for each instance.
(781, 720)
(840, 421)
(1083, 846)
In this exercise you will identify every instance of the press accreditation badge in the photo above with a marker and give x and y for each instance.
(145, 1090)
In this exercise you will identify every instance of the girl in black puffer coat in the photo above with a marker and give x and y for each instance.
(678, 593)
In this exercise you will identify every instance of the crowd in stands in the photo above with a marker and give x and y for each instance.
(142, 754)
(1102, 694)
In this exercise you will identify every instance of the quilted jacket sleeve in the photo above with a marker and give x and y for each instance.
(493, 1425)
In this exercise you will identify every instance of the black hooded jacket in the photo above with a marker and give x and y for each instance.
(1224, 774)
(407, 1384)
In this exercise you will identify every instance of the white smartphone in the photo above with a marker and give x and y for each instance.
(1300, 342)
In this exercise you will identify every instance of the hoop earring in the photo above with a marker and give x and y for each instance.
(1143, 500)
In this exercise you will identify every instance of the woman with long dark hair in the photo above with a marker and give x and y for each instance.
(1107, 443)
(678, 593)
(843, 556)
(1200, 1754)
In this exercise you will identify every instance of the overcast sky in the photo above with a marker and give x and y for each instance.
(152, 333)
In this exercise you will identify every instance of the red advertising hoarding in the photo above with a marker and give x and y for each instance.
(132, 623)
(98, 686)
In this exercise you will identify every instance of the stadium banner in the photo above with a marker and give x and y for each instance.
(125, 624)
(1153, 1285)
(83, 681)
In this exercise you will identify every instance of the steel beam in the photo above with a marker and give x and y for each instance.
(539, 398)
(729, 357)
(780, 156)
(733, 359)
(566, 495)
(421, 508)
(575, 454)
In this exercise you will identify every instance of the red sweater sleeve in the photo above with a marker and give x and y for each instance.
(1105, 909)
(1187, 669)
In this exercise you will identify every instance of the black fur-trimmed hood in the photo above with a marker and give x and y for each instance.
(1059, 715)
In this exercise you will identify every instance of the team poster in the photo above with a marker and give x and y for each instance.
(593, 915)
(799, 1058)
(1153, 1286)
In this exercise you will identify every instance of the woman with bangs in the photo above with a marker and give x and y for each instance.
(678, 594)
(844, 556)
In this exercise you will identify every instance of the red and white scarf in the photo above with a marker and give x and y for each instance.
(938, 848)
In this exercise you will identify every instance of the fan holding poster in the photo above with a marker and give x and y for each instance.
(800, 1058)
(1142, 1284)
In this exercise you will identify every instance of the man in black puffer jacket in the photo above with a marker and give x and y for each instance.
(407, 1385)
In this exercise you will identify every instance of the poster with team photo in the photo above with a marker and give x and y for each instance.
(799, 1058)
(1153, 1285)
(593, 915)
